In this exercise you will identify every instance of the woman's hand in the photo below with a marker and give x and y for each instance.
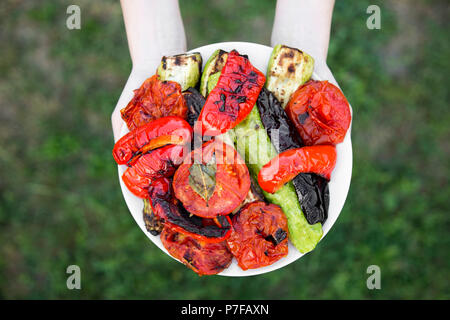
(305, 24)
(154, 28)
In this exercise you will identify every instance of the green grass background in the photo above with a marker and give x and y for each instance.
(60, 201)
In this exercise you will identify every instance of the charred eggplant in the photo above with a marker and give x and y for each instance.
(194, 102)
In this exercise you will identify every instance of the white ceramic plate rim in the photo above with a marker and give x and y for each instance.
(339, 183)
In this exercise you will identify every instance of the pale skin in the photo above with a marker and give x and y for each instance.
(303, 24)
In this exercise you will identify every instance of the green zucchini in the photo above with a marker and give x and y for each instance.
(288, 68)
(182, 68)
(212, 81)
(214, 65)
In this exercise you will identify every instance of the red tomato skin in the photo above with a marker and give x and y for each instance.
(154, 99)
(251, 226)
(232, 181)
(233, 97)
(287, 165)
(171, 129)
(320, 113)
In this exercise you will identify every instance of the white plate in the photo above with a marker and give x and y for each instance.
(340, 178)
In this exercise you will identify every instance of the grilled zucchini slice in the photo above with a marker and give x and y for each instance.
(182, 68)
(288, 68)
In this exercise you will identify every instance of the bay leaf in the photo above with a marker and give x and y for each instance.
(202, 178)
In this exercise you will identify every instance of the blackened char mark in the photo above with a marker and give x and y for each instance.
(223, 221)
(277, 237)
(312, 190)
(276, 122)
(194, 102)
(302, 117)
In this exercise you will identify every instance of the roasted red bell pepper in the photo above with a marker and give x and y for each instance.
(233, 97)
(156, 164)
(178, 219)
(155, 134)
(284, 167)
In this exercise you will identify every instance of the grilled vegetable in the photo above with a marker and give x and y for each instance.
(202, 257)
(288, 68)
(153, 223)
(259, 236)
(288, 164)
(254, 145)
(156, 164)
(214, 64)
(182, 68)
(155, 134)
(312, 190)
(320, 113)
(194, 102)
(212, 81)
(233, 97)
(153, 100)
(213, 181)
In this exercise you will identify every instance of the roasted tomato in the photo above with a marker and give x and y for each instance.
(213, 181)
(154, 99)
(320, 112)
(156, 164)
(233, 97)
(259, 236)
(288, 164)
(202, 257)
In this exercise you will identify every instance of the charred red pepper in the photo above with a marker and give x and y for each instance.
(154, 99)
(320, 113)
(155, 134)
(288, 164)
(202, 257)
(165, 206)
(233, 97)
(156, 164)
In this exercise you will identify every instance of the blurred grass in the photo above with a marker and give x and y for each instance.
(60, 202)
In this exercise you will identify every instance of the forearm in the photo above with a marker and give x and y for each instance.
(154, 28)
(304, 24)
